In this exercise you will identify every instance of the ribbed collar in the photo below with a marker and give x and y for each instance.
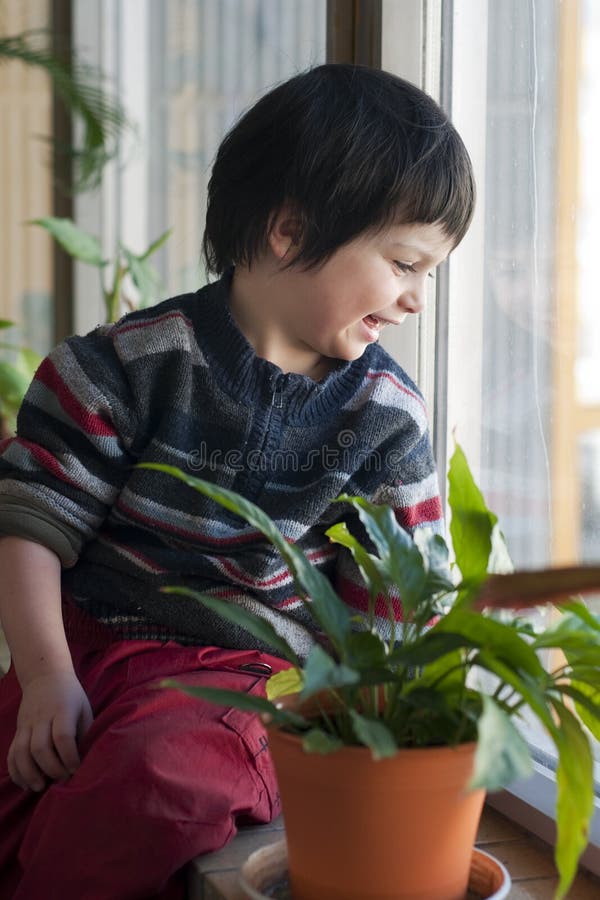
(249, 378)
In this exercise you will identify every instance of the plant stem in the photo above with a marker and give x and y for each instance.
(112, 298)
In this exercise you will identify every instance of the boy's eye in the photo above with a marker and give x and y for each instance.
(408, 267)
(404, 267)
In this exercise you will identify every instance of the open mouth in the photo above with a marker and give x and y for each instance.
(372, 326)
(374, 322)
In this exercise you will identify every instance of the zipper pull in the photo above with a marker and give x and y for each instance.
(277, 396)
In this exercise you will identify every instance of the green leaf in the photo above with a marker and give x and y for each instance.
(288, 681)
(497, 637)
(426, 716)
(328, 609)
(502, 755)
(235, 613)
(367, 564)
(431, 646)
(449, 671)
(13, 384)
(79, 86)
(155, 245)
(365, 649)
(239, 700)
(375, 735)
(144, 276)
(321, 673)
(434, 551)
(589, 675)
(318, 741)
(472, 522)
(569, 633)
(28, 361)
(579, 609)
(587, 704)
(5, 323)
(499, 561)
(76, 242)
(401, 562)
(575, 797)
(523, 684)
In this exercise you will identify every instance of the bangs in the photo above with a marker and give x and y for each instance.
(351, 150)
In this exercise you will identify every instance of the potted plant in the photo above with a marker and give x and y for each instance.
(385, 750)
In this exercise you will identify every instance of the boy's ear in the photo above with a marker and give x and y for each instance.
(285, 233)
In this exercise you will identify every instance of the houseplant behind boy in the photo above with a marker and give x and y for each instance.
(375, 704)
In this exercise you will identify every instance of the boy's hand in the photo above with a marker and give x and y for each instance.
(54, 714)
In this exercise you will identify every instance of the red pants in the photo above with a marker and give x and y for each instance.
(163, 777)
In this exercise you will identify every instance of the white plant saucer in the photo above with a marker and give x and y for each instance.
(264, 875)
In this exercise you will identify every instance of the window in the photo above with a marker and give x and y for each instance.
(523, 319)
(185, 70)
(506, 352)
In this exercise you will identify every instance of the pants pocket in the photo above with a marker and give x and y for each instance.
(253, 735)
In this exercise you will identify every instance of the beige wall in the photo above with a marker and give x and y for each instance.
(25, 174)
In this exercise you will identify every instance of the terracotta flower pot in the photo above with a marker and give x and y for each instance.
(394, 829)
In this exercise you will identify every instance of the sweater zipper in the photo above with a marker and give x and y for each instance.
(277, 394)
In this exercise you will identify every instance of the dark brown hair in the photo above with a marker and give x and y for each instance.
(351, 150)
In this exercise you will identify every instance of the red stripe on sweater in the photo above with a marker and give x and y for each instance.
(375, 376)
(145, 323)
(240, 575)
(89, 421)
(46, 460)
(290, 601)
(426, 511)
(357, 597)
(231, 593)
(136, 554)
(175, 529)
(243, 578)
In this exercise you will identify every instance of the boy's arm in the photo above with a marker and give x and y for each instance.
(54, 709)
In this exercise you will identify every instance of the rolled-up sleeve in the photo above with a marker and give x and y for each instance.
(61, 473)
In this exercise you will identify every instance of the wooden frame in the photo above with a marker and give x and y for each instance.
(354, 32)
(62, 201)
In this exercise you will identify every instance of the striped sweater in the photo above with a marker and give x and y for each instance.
(180, 384)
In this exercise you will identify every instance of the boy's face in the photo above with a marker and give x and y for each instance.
(373, 282)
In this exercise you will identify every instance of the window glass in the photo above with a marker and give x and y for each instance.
(186, 69)
(524, 331)
(529, 404)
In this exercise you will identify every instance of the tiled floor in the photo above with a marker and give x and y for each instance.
(529, 861)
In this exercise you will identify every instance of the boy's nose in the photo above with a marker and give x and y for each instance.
(412, 300)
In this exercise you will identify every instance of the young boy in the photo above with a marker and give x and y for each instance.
(330, 203)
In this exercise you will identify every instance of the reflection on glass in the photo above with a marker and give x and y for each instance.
(185, 69)
(209, 61)
(589, 468)
(520, 214)
(541, 326)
